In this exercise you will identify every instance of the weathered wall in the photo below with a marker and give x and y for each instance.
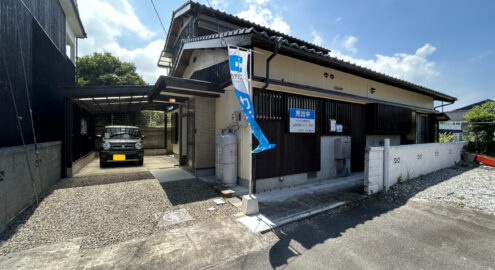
(16, 190)
(205, 133)
(407, 161)
(305, 73)
(155, 137)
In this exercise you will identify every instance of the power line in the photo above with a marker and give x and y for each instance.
(158, 15)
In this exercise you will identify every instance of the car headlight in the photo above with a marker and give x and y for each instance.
(138, 145)
(106, 146)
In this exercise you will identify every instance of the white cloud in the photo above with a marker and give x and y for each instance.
(260, 14)
(411, 67)
(317, 39)
(219, 4)
(349, 44)
(258, 2)
(481, 56)
(106, 21)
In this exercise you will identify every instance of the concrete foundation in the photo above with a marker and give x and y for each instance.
(249, 205)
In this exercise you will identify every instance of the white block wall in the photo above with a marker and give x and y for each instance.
(373, 170)
(408, 161)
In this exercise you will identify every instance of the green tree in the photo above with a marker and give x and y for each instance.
(446, 137)
(482, 127)
(106, 69)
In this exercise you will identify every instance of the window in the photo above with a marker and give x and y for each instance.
(84, 126)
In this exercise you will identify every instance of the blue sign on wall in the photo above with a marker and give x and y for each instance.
(302, 121)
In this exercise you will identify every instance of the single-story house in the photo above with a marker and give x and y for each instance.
(352, 105)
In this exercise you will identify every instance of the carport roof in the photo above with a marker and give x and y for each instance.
(166, 94)
(110, 98)
(180, 88)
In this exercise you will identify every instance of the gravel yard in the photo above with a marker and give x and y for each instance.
(107, 209)
(459, 186)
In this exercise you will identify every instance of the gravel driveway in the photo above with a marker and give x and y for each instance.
(459, 186)
(106, 209)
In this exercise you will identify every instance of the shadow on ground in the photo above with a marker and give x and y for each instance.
(188, 191)
(310, 234)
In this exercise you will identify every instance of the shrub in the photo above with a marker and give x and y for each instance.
(482, 128)
(446, 137)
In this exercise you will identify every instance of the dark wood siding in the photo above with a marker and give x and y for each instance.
(51, 18)
(46, 68)
(387, 119)
(358, 136)
(295, 152)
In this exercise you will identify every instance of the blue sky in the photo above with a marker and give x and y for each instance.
(448, 46)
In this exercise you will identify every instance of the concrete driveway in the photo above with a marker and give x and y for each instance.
(150, 163)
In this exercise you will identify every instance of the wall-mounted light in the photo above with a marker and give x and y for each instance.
(332, 76)
(325, 74)
(372, 90)
(172, 100)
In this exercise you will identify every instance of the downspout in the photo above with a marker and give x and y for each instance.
(278, 44)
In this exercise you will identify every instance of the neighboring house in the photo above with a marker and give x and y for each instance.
(37, 55)
(456, 123)
(288, 73)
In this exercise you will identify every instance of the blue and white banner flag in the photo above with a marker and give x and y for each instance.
(238, 60)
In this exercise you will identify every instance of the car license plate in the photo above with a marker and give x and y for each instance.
(118, 157)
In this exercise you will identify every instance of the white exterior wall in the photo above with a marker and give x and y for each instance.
(226, 105)
(304, 73)
(408, 161)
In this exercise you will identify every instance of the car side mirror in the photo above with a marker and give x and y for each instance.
(143, 136)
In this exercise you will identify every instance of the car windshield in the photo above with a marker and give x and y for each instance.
(121, 133)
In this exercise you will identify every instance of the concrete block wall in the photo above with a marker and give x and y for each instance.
(16, 190)
(205, 133)
(373, 170)
(407, 161)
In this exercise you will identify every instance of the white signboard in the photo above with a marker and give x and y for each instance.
(302, 121)
(333, 125)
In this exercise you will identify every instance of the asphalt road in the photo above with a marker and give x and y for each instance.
(381, 235)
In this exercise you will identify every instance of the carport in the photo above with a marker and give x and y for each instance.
(169, 94)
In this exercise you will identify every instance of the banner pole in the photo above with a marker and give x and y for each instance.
(251, 133)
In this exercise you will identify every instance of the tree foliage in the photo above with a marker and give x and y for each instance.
(106, 69)
(446, 137)
(482, 127)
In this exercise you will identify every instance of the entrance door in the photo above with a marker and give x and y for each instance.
(188, 134)
(421, 128)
